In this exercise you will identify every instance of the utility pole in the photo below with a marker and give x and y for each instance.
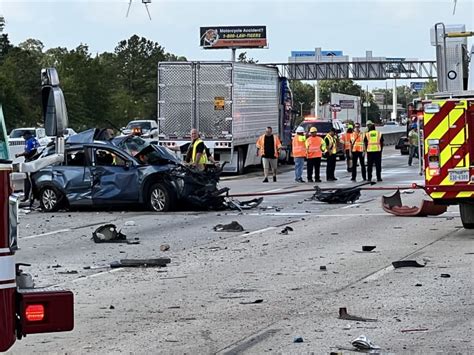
(316, 99)
(394, 99)
(301, 109)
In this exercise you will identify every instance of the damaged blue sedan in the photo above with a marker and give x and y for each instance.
(124, 171)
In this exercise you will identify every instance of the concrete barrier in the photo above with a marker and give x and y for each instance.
(392, 134)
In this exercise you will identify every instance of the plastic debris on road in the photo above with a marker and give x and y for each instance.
(234, 226)
(364, 343)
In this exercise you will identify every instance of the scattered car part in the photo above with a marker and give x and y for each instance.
(323, 268)
(286, 230)
(164, 247)
(368, 247)
(234, 226)
(364, 343)
(108, 233)
(298, 340)
(445, 276)
(414, 330)
(252, 302)
(406, 263)
(344, 315)
(393, 204)
(160, 262)
(342, 195)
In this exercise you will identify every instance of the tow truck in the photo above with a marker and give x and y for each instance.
(24, 309)
(447, 124)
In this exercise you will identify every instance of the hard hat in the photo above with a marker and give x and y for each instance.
(350, 126)
(313, 129)
(300, 129)
(369, 122)
(414, 125)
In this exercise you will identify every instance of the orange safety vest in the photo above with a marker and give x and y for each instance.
(373, 141)
(299, 146)
(346, 139)
(261, 145)
(315, 147)
(357, 141)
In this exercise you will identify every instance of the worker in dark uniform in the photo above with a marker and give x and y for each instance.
(30, 152)
(373, 142)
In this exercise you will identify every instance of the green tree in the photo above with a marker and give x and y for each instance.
(326, 87)
(243, 59)
(302, 93)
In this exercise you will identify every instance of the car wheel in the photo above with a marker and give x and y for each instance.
(160, 199)
(50, 199)
(240, 161)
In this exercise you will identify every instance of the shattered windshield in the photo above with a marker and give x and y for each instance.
(147, 153)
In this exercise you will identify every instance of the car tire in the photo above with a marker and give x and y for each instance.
(160, 198)
(240, 161)
(467, 215)
(50, 198)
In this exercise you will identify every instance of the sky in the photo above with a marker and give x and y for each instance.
(389, 28)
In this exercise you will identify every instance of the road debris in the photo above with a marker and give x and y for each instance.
(164, 247)
(298, 340)
(286, 230)
(393, 204)
(414, 330)
(362, 342)
(343, 195)
(344, 315)
(108, 233)
(445, 276)
(323, 268)
(347, 327)
(368, 247)
(257, 301)
(418, 285)
(158, 262)
(406, 263)
(111, 307)
(234, 226)
(69, 272)
(130, 224)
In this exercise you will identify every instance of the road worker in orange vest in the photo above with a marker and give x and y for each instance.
(299, 152)
(374, 146)
(346, 140)
(268, 147)
(315, 148)
(331, 150)
(357, 148)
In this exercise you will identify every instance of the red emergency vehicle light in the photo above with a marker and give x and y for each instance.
(34, 312)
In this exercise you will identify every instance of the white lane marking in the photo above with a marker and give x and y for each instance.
(274, 190)
(45, 234)
(272, 214)
(258, 231)
(88, 276)
(350, 206)
(378, 274)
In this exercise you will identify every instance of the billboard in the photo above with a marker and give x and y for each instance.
(233, 37)
(417, 86)
(346, 104)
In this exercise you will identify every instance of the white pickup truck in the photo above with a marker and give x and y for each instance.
(143, 128)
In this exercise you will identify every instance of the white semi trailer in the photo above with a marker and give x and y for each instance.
(230, 104)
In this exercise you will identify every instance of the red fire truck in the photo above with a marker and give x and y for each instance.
(23, 309)
(447, 127)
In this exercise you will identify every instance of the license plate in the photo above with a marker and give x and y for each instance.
(459, 175)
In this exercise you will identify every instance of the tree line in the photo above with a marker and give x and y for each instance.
(100, 89)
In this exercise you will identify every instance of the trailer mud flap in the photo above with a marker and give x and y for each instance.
(393, 204)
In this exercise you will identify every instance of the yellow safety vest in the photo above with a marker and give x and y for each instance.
(203, 158)
(373, 141)
(332, 147)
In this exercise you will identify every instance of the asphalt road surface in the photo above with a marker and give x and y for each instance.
(256, 291)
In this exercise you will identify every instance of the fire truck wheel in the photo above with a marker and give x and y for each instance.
(50, 199)
(160, 198)
(467, 215)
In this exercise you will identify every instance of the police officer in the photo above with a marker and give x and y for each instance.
(373, 142)
(30, 152)
(331, 149)
(314, 151)
(357, 147)
(299, 153)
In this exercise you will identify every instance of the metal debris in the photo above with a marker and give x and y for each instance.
(368, 247)
(414, 330)
(160, 262)
(344, 315)
(234, 226)
(286, 230)
(406, 263)
(257, 301)
(298, 340)
(164, 247)
(445, 276)
(108, 233)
